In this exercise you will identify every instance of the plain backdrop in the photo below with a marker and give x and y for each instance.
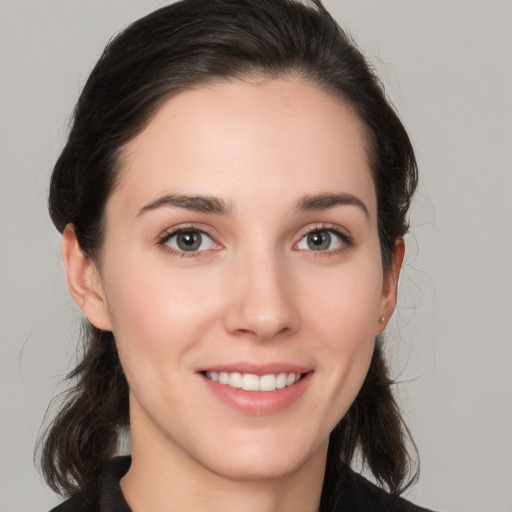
(447, 68)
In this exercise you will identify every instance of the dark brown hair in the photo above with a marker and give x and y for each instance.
(185, 44)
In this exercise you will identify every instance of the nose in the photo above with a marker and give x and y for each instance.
(262, 303)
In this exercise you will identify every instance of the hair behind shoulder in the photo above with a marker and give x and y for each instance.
(84, 434)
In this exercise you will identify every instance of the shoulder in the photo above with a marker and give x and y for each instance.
(105, 496)
(359, 494)
(81, 502)
(353, 493)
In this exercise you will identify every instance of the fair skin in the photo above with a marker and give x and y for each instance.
(276, 270)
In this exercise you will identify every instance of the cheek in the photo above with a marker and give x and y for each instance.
(149, 298)
(157, 314)
(348, 334)
(347, 303)
(342, 317)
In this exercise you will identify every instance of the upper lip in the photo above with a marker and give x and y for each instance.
(256, 369)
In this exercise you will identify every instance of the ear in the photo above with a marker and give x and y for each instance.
(84, 281)
(390, 286)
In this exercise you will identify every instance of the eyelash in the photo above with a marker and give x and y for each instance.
(346, 240)
(167, 235)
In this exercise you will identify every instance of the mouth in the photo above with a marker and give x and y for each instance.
(252, 382)
(258, 389)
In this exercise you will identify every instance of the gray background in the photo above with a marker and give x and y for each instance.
(447, 67)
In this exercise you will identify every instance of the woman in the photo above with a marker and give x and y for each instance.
(232, 199)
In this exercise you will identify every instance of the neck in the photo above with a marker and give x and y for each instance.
(170, 480)
(165, 491)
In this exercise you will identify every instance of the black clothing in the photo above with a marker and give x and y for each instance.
(355, 493)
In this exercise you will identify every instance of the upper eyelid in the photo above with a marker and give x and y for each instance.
(210, 232)
(169, 232)
(326, 227)
(346, 244)
(346, 238)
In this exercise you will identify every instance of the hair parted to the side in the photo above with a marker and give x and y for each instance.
(189, 43)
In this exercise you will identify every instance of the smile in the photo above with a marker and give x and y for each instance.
(251, 382)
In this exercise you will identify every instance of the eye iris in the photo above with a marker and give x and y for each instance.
(189, 240)
(319, 241)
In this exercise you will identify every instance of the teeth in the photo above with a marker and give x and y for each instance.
(235, 380)
(251, 382)
(281, 381)
(291, 378)
(267, 383)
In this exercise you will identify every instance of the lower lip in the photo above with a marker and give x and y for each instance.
(259, 402)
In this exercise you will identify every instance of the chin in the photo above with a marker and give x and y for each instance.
(257, 462)
(246, 469)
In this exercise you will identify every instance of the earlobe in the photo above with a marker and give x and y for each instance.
(84, 281)
(390, 286)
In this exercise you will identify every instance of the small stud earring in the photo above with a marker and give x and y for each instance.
(382, 319)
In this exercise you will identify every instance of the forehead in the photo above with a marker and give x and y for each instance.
(242, 139)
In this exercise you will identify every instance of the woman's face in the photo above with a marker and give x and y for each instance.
(241, 246)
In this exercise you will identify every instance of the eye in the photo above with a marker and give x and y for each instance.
(190, 240)
(321, 240)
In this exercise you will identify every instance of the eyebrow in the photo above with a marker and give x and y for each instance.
(211, 204)
(330, 200)
(198, 203)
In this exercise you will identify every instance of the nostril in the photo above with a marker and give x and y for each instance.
(261, 309)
